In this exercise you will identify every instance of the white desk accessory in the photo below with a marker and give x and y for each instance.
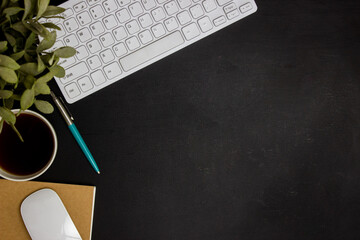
(115, 38)
(46, 218)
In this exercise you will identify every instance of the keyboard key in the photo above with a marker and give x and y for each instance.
(158, 30)
(229, 8)
(123, 15)
(65, 62)
(132, 27)
(81, 52)
(110, 22)
(145, 20)
(98, 77)
(161, 1)
(151, 51)
(223, 2)
(132, 43)
(205, 24)
(92, 2)
(94, 46)
(74, 72)
(94, 62)
(97, 28)
(97, 12)
(136, 9)
(71, 40)
(171, 8)
(107, 40)
(158, 14)
(107, 56)
(72, 90)
(209, 5)
(113, 70)
(85, 84)
(84, 18)
(220, 20)
(71, 25)
(119, 33)
(123, 2)
(184, 17)
(191, 31)
(233, 14)
(184, 3)
(145, 37)
(171, 24)
(246, 7)
(60, 33)
(120, 49)
(148, 4)
(80, 6)
(67, 13)
(84, 34)
(110, 6)
(196, 11)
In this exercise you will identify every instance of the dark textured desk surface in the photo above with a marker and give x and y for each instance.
(251, 133)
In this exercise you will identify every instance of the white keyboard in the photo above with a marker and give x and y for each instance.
(115, 38)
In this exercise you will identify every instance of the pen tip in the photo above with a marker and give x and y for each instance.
(98, 172)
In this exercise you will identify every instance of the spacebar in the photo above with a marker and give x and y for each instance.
(151, 51)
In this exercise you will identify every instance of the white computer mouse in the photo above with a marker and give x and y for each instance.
(46, 218)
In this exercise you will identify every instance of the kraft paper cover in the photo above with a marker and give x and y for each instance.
(78, 201)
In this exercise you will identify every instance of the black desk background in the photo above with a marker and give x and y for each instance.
(251, 133)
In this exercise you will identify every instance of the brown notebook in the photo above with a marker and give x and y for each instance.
(78, 200)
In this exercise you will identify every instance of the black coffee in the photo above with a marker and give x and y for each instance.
(30, 156)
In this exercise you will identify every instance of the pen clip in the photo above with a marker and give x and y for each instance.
(66, 108)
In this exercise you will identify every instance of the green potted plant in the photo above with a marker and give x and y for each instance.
(26, 62)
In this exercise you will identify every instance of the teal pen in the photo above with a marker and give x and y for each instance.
(69, 121)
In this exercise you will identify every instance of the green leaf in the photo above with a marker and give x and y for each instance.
(4, 3)
(51, 25)
(29, 7)
(3, 46)
(19, 26)
(27, 99)
(29, 81)
(16, 97)
(48, 42)
(9, 103)
(41, 64)
(46, 78)
(7, 115)
(42, 6)
(8, 62)
(31, 68)
(41, 88)
(8, 75)
(5, 94)
(65, 52)
(12, 10)
(44, 106)
(28, 57)
(1, 125)
(2, 83)
(10, 39)
(18, 55)
(58, 71)
(36, 28)
(30, 40)
(53, 10)
(16, 131)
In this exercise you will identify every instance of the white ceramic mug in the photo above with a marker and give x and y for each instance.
(13, 177)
